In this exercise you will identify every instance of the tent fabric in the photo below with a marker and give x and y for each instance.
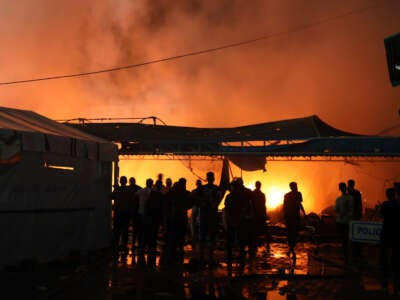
(40, 133)
(10, 144)
(47, 213)
(55, 183)
(249, 162)
(24, 120)
(291, 129)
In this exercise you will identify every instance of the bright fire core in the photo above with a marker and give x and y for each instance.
(274, 197)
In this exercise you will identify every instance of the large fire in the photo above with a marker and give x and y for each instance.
(317, 181)
(274, 194)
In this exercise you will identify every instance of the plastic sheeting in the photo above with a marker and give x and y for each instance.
(38, 133)
(292, 129)
(55, 183)
(249, 162)
(46, 213)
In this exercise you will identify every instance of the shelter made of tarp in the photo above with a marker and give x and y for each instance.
(292, 129)
(55, 183)
(29, 131)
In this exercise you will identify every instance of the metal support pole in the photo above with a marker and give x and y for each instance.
(116, 172)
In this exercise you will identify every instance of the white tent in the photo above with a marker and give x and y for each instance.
(55, 183)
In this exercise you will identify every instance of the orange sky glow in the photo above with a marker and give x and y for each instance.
(335, 69)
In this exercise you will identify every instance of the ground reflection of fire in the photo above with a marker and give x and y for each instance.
(267, 278)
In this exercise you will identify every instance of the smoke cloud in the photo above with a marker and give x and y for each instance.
(336, 69)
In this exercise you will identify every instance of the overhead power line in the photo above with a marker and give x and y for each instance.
(199, 52)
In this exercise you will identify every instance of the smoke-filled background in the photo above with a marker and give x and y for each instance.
(321, 57)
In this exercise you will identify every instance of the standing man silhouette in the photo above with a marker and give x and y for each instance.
(344, 209)
(122, 197)
(357, 215)
(210, 197)
(357, 198)
(292, 207)
(261, 216)
(133, 187)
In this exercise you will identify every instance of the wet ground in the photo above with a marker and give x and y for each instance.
(319, 273)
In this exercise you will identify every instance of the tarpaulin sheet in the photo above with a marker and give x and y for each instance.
(55, 211)
(55, 183)
(39, 133)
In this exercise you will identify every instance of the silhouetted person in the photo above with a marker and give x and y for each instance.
(240, 220)
(133, 188)
(357, 215)
(141, 197)
(292, 208)
(153, 214)
(390, 240)
(194, 218)
(344, 207)
(160, 177)
(261, 216)
(168, 184)
(122, 214)
(178, 203)
(358, 206)
(209, 202)
(231, 213)
(163, 229)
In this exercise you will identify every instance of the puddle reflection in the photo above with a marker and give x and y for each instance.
(270, 277)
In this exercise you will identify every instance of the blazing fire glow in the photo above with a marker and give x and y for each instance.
(318, 185)
(275, 196)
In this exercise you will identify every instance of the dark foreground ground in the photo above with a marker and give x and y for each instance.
(319, 273)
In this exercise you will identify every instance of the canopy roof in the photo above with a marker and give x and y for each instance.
(308, 136)
(293, 129)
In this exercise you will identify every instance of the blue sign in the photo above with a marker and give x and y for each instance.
(365, 231)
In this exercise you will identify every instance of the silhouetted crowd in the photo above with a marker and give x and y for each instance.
(157, 218)
(349, 208)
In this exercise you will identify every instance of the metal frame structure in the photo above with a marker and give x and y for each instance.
(305, 139)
